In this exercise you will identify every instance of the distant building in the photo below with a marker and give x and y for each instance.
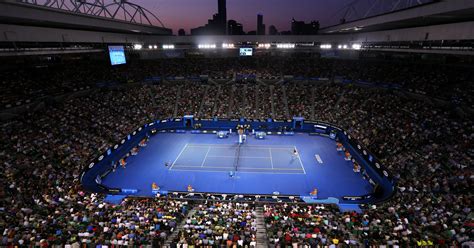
(272, 30)
(181, 32)
(253, 32)
(260, 25)
(302, 28)
(234, 28)
(222, 12)
(216, 25)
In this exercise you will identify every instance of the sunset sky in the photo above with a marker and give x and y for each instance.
(176, 14)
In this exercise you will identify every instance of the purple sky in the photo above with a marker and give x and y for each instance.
(187, 14)
(176, 14)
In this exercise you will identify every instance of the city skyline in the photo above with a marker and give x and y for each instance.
(278, 13)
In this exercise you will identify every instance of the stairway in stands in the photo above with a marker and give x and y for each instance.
(178, 98)
(178, 229)
(256, 97)
(313, 101)
(341, 97)
(204, 97)
(231, 101)
(262, 239)
(272, 104)
(152, 93)
(216, 101)
(285, 102)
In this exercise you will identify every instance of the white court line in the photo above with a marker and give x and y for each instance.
(276, 148)
(261, 172)
(216, 167)
(272, 146)
(263, 147)
(234, 157)
(226, 145)
(204, 160)
(253, 148)
(179, 155)
(301, 163)
(244, 168)
(318, 158)
(271, 159)
(251, 168)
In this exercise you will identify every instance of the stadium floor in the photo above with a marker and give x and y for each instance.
(263, 166)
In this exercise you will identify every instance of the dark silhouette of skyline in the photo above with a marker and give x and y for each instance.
(188, 14)
(260, 25)
(217, 25)
(234, 28)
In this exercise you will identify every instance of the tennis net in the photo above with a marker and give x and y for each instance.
(237, 156)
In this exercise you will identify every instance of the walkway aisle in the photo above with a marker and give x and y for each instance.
(231, 101)
(262, 239)
(178, 229)
(285, 102)
(203, 101)
(341, 97)
(216, 102)
(178, 96)
(243, 107)
(273, 113)
(256, 97)
(313, 100)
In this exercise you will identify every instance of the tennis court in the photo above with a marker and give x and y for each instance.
(240, 158)
(263, 166)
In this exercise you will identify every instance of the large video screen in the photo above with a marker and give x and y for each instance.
(117, 55)
(246, 51)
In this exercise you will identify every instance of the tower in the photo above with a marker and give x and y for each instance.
(222, 15)
(260, 25)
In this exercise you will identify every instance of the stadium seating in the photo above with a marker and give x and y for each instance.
(220, 224)
(428, 147)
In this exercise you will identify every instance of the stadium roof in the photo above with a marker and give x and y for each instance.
(439, 21)
(39, 16)
(441, 12)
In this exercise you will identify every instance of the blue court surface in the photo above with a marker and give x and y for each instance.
(261, 166)
(246, 158)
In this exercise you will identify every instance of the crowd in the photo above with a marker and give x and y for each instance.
(428, 148)
(217, 224)
(309, 225)
(442, 80)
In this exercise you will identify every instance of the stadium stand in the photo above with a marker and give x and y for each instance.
(428, 148)
(406, 95)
